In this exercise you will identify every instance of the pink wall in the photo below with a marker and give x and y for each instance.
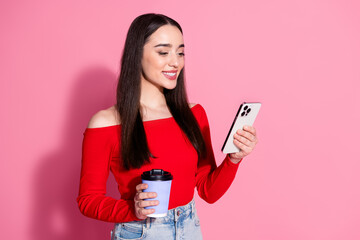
(59, 63)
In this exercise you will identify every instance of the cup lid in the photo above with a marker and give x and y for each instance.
(156, 175)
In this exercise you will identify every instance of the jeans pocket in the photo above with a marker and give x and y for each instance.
(129, 230)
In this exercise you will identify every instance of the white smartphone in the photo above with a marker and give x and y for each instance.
(245, 116)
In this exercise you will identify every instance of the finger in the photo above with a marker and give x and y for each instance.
(140, 213)
(242, 147)
(136, 197)
(243, 140)
(146, 195)
(149, 203)
(249, 135)
(250, 129)
(139, 196)
(141, 186)
(145, 212)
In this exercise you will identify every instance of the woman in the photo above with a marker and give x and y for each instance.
(152, 125)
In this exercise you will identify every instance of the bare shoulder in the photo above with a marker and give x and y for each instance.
(104, 118)
(192, 104)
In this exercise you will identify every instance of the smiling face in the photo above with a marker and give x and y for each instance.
(163, 57)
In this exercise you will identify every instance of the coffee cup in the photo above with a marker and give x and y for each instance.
(158, 181)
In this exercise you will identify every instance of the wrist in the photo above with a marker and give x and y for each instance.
(234, 160)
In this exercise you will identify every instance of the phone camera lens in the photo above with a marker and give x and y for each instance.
(248, 110)
(242, 114)
(246, 107)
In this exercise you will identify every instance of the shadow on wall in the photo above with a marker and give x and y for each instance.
(56, 180)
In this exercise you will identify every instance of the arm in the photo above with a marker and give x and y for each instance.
(96, 154)
(212, 181)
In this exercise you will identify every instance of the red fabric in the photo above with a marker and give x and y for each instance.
(100, 154)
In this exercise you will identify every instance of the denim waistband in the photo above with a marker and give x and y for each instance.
(173, 215)
(175, 218)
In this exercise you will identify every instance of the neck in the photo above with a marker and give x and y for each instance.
(151, 96)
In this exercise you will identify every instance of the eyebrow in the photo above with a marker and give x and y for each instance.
(168, 45)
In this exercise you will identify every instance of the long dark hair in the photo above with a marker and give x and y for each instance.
(134, 148)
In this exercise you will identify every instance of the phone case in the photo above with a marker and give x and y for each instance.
(245, 116)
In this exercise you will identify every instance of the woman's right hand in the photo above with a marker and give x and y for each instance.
(140, 211)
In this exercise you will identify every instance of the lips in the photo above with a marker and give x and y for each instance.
(170, 74)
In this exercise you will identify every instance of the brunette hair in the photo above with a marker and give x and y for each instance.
(134, 148)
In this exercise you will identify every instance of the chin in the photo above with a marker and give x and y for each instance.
(170, 86)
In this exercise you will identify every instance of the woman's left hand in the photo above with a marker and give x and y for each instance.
(245, 140)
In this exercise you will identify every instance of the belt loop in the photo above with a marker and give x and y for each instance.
(175, 214)
(147, 222)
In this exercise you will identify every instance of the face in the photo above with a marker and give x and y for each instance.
(163, 57)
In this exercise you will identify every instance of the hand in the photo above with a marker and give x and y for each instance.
(140, 203)
(245, 140)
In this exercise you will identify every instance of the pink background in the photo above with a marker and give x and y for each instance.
(59, 63)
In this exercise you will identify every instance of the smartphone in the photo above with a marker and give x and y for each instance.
(245, 116)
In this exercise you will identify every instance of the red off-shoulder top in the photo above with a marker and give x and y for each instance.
(101, 154)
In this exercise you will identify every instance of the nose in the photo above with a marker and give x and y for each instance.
(174, 61)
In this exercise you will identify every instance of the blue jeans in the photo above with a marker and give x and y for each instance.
(180, 223)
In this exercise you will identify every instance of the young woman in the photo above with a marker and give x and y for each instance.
(152, 126)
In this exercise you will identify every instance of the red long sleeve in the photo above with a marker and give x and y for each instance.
(101, 154)
(211, 181)
(96, 156)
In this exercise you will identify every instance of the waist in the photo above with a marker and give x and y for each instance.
(176, 200)
(174, 215)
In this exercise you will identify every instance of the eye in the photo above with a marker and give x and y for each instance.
(163, 53)
(182, 54)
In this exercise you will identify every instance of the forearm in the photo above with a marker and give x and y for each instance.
(212, 184)
(106, 208)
